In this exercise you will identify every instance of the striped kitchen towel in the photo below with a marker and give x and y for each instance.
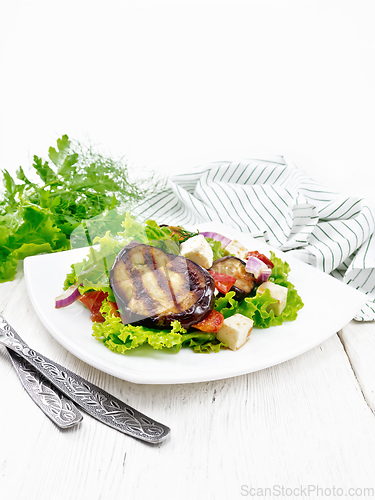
(276, 201)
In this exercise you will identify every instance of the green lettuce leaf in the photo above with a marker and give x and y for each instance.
(280, 270)
(217, 248)
(121, 338)
(202, 342)
(30, 231)
(8, 265)
(93, 272)
(256, 307)
(78, 191)
(150, 233)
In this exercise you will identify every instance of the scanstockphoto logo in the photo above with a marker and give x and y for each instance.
(310, 490)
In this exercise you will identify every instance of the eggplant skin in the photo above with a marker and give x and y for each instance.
(237, 268)
(154, 288)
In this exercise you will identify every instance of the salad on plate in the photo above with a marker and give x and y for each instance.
(171, 288)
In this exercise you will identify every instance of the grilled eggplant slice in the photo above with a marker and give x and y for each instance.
(154, 288)
(237, 268)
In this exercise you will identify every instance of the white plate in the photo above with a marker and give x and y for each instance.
(329, 306)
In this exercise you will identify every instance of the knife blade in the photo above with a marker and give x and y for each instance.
(53, 403)
(92, 399)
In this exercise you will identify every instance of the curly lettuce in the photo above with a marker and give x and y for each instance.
(121, 338)
(77, 188)
(93, 274)
(256, 308)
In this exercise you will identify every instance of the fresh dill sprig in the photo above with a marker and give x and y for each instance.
(75, 184)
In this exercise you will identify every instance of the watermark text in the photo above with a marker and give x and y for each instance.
(310, 490)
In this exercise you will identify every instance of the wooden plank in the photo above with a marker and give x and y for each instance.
(358, 339)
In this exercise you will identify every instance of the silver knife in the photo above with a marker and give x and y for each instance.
(53, 403)
(93, 400)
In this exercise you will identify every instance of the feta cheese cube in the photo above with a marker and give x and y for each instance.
(198, 250)
(235, 331)
(237, 249)
(277, 292)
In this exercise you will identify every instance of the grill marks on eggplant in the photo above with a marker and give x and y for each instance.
(151, 290)
(154, 288)
(138, 291)
(168, 288)
(155, 278)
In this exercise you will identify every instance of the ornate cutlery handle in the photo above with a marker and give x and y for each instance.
(57, 407)
(95, 401)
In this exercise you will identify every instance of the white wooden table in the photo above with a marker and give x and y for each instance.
(171, 84)
(306, 423)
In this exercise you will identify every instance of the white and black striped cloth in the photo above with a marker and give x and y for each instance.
(276, 201)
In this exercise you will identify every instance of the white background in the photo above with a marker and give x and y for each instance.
(174, 84)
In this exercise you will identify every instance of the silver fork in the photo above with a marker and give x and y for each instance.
(52, 402)
(95, 401)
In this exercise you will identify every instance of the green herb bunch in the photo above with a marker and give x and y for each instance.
(74, 185)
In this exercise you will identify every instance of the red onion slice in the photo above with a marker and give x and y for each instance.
(216, 236)
(68, 297)
(265, 275)
(258, 268)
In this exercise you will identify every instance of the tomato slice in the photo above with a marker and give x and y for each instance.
(223, 282)
(93, 302)
(114, 310)
(223, 287)
(97, 317)
(212, 323)
(224, 278)
(261, 257)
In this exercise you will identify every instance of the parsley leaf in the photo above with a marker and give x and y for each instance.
(73, 185)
